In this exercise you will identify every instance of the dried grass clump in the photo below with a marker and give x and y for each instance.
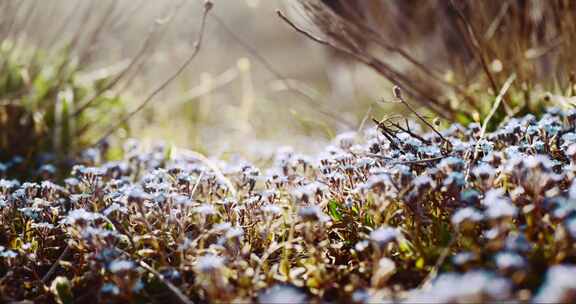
(453, 56)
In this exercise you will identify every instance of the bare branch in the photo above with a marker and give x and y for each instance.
(379, 66)
(208, 5)
(279, 76)
(398, 95)
(495, 106)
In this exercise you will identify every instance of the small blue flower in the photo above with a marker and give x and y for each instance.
(571, 226)
(121, 266)
(517, 242)
(313, 213)
(80, 216)
(283, 294)
(559, 285)
(110, 289)
(209, 263)
(509, 260)
(467, 214)
(206, 209)
(383, 236)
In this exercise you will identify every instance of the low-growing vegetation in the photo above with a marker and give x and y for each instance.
(477, 204)
(394, 214)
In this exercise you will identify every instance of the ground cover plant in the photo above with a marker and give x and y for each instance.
(476, 205)
(394, 214)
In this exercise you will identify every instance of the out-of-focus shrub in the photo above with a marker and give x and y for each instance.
(452, 57)
(49, 110)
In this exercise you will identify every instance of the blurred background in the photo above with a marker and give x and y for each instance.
(254, 81)
(71, 69)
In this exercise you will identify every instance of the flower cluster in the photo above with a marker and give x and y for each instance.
(388, 215)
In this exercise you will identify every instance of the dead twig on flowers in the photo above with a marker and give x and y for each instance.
(495, 106)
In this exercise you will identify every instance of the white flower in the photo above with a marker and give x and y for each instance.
(498, 205)
(283, 294)
(7, 253)
(309, 191)
(234, 232)
(80, 215)
(467, 214)
(42, 226)
(471, 287)
(361, 246)
(222, 226)
(313, 213)
(502, 209)
(559, 285)
(509, 260)
(209, 263)
(383, 236)
(272, 209)
(205, 209)
(138, 194)
(117, 266)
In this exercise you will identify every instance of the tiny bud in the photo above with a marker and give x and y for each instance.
(397, 92)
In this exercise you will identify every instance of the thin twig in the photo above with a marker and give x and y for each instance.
(497, 20)
(94, 36)
(124, 72)
(197, 184)
(365, 118)
(407, 162)
(495, 106)
(279, 76)
(398, 95)
(419, 161)
(360, 25)
(409, 132)
(386, 134)
(342, 44)
(497, 102)
(434, 271)
(67, 20)
(62, 256)
(208, 5)
(181, 296)
(476, 43)
(163, 21)
(218, 82)
(210, 164)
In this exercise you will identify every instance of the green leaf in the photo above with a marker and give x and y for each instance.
(420, 263)
(334, 210)
(463, 118)
(445, 234)
(368, 221)
(62, 290)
